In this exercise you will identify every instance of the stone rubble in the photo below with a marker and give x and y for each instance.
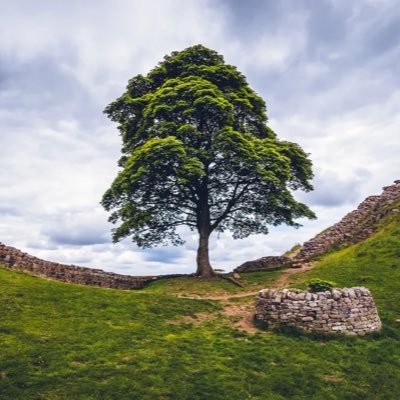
(351, 311)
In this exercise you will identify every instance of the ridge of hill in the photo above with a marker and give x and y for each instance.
(353, 228)
(356, 226)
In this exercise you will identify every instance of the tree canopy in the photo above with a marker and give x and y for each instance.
(197, 151)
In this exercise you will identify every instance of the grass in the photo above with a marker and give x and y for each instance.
(192, 286)
(61, 341)
(374, 263)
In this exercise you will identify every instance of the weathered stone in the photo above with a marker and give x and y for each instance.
(348, 313)
(355, 227)
(265, 264)
(16, 259)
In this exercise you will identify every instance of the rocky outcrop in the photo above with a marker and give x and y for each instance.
(265, 264)
(356, 226)
(350, 310)
(17, 260)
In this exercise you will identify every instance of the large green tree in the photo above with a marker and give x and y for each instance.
(197, 152)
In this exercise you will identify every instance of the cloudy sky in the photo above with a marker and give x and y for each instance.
(328, 70)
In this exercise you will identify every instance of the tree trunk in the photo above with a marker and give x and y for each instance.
(204, 268)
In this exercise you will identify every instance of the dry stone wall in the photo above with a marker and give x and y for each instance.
(270, 263)
(356, 226)
(350, 311)
(16, 259)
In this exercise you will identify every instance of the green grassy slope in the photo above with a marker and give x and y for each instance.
(190, 286)
(60, 341)
(374, 263)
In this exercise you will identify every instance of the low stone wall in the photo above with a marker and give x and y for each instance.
(350, 310)
(270, 263)
(16, 259)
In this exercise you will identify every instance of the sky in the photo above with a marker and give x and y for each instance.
(328, 70)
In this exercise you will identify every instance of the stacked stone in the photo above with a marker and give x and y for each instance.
(265, 264)
(356, 226)
(351, 311)
(16, 259)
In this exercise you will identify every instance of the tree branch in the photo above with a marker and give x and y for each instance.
(230, 204)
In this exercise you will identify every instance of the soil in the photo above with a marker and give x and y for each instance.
(243, 313)
(196, 319)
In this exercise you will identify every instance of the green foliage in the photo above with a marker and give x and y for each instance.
(197, 152)
(319, 285)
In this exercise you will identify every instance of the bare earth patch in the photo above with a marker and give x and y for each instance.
(280, 283)
(332, 378)
(243, 312)
(283, 280)
(196, 319)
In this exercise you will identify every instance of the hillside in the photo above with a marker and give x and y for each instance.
(355, 227)
(63, 341)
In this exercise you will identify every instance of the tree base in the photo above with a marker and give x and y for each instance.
(206, 274)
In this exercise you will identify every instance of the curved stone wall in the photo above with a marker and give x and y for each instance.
(350, 310)
(16, 259)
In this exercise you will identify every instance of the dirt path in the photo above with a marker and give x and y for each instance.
(225, 296)
(244, 312)
(280, 283)
(283, 280)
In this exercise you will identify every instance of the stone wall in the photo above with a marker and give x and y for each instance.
(356, 226)
(271, 263)
(350, 310)
(16, 259)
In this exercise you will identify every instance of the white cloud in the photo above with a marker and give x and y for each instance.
(61, 63)
(103, 45)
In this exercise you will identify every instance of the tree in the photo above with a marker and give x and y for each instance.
(197, 152)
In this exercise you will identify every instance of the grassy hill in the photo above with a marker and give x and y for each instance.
(62, 341)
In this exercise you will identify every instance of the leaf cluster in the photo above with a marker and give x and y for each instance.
(196, 147)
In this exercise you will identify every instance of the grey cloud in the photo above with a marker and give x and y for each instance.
(333, 190)
(328, 71)
(42, 88)
(41, 245)
(167, 255)
(81, 228)
(248, 19)
(343, 49)
(9, 210)
(385, 37)
(78, 238)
